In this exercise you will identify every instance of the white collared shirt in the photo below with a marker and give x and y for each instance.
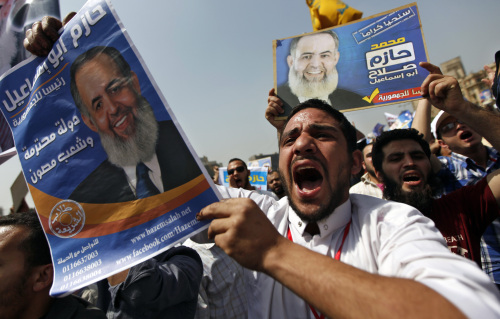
(366, 187)
(385, 238)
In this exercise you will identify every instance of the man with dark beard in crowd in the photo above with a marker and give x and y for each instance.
(144, 156)
(313, 73)
(402, 161)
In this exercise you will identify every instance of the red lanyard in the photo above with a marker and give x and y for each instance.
(316, 314)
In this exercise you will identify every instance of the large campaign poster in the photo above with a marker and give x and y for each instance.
(113, 178)
(363, 64)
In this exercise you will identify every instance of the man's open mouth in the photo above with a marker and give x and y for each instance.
(307, 178)
(412, 179)
(465, 135)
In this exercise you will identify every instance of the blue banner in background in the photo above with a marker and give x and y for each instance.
(257, 178)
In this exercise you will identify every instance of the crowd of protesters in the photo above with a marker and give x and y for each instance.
(408, 240)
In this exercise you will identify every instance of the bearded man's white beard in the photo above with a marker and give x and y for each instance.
(137, 148)
(302, 87)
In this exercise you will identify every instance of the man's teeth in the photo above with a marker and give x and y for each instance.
(120, 121)
(304, 167)
(411, 178)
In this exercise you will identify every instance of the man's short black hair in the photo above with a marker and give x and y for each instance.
(87, 56)
(34, 245)
(346, 127)
(237, 159)
(396, 135)
(361, 144)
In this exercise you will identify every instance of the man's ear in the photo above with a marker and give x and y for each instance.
(289, 60)
(364, 165)
(89, 123)
(42, 277)
(357, 159)
(442, 143)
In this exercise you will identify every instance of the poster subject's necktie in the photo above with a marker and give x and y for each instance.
(144, 187)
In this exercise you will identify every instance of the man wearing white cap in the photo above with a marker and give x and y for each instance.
(470, 160)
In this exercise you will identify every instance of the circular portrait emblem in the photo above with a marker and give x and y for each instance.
(66, 219)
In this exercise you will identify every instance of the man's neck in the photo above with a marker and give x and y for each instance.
(39, 306)
(249, 187)
(373, 178)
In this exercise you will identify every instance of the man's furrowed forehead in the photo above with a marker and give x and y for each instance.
(402, 146)
(311, 118)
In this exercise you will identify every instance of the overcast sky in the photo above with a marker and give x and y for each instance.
(213, 61)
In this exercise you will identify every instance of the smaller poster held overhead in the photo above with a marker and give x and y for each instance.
(368, 63)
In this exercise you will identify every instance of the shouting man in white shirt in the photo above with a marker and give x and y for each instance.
(323, 251)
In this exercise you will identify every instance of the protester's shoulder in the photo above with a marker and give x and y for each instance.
(178, 251)
(380, 210)
(180, 255)
(358, 188)
(268, 193)
(362, 201)
(365, 205)
(355, 187)
(493, 152)
(73, 307)
(467, 195)
(451, 163)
